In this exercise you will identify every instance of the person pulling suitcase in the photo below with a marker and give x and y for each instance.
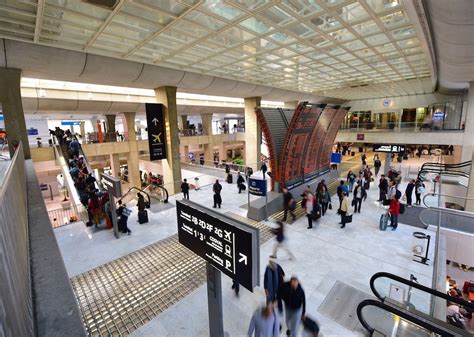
(142, 213)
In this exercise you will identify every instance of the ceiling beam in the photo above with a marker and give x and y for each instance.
(39, 20)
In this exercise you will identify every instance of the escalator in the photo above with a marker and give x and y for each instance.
(450, 170)
(407, 308)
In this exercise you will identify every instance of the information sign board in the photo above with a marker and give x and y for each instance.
(360, 136)
(111, 184)
(389, 148)
(69, 123)
(156, 131)
(336, 158)
(258, 187)
(229, 245)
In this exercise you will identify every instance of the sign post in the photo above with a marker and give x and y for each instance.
(388, 149)
(156, 131)
(113, 187)
(228, 246)
(259, 187)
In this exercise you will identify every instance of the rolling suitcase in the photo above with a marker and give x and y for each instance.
(142, 217)
(383, 222)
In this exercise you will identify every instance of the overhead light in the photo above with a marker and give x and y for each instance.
(129, 98)
(90, 95)
(42, 93)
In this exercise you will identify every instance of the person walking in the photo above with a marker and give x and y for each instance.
(392, 190)
(324, 198)
(409, 192)
(293, 296)
(264, 323)
(310, 208)
(140, 202)
(339, 191)
(344, 210)
(383, 188)
(394, 211)
(289, 204)
(123, 212)
(280, 241)
(450, 150)
(351, 177)
(264, 169)
(359, 194)
(377, 165)
(419, 189)
(217, 188)
(185, 189)
(272, 282)
(240, 182)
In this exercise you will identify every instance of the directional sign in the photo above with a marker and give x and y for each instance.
(156, 131)
(111, 184)
(229, 245)
(389, 148)
(69, 123)
(257, 187)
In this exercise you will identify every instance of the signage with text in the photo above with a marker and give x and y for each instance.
(69, 123)
(156, 130)
(111, 184)
(389, 148)
(336, 158)
(229, 245)
(360, 136)
(257, 187)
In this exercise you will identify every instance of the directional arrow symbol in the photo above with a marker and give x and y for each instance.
(243, 258)
(155, 121)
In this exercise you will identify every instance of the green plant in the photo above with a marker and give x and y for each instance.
(238, 161)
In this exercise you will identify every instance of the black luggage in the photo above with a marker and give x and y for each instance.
(353, 154)
(310, 325)
(142, 217)
(243, 187)
(229, 178)
(383, 222)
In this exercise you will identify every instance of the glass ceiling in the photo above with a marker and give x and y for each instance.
(314, 46)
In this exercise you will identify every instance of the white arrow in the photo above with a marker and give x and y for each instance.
(243, 258)
(155, 121)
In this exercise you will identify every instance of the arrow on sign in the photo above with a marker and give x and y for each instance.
(243, 258)
(155, 121)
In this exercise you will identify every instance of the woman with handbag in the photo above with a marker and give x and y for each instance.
(344, 210)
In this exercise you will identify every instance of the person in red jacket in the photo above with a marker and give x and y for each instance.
(394, 211)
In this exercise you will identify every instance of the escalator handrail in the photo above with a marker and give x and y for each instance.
(140, 191)
(417, 286)
(88, 165)
(411, 317)
(443, 195)
(164, 189)
(457, 165)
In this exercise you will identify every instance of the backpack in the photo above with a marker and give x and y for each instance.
(398, 194)
(402, 208)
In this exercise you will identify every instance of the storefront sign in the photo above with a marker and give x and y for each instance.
(156, 131)
(69, 123)
(258, 187)
(229, 245)
(360, 136)
(111, 185)
(389, 148)
(336, 158)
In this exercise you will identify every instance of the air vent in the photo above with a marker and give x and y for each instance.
(108, 4)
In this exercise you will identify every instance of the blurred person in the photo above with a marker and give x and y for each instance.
(272, 282)
(294, 299)
(289, 204)
(264, 323)
(280, 241)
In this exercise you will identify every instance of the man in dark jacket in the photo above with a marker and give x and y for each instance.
(294, 298)
(272, 282)
(240, 182)
(217, 188)
(185, 189)
(288, 204)
(359, 195)
(409, 191)
(264, 169)
(339, 191)
(383, 188)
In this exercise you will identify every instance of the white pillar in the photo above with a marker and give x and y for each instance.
(253, 133)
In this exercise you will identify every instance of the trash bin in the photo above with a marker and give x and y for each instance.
(420, 245)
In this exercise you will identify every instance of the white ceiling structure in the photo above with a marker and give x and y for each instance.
(344, 49)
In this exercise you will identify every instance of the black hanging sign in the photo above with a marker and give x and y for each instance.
(156, 130)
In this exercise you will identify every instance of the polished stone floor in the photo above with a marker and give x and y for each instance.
(324, 255)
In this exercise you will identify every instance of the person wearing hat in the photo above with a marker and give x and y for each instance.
(272, 282)
(294, 298)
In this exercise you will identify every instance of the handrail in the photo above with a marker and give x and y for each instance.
(140, 191)
(88, 165)
(444, 195)
(445, 331)
(462, 164)
(161, 187)
(417, 286)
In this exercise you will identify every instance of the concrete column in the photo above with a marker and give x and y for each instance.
(222, 151)
(110, 121)
(291, 105)
(253, 133)
(172, 165)
(128, 120)
(12, 107)
(209, 154)
(468, 141)
(82, 127)
(115, 164)
(184, 121)
(206, 120)
(94, 121)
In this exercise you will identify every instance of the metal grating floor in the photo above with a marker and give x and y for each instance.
(120, 296)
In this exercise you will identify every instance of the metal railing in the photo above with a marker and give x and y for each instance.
(61, 217)
(400, 127)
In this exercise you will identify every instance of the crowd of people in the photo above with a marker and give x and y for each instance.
(458, 315)
(96, 203)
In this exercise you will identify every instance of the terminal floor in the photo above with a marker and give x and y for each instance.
(324, 255)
